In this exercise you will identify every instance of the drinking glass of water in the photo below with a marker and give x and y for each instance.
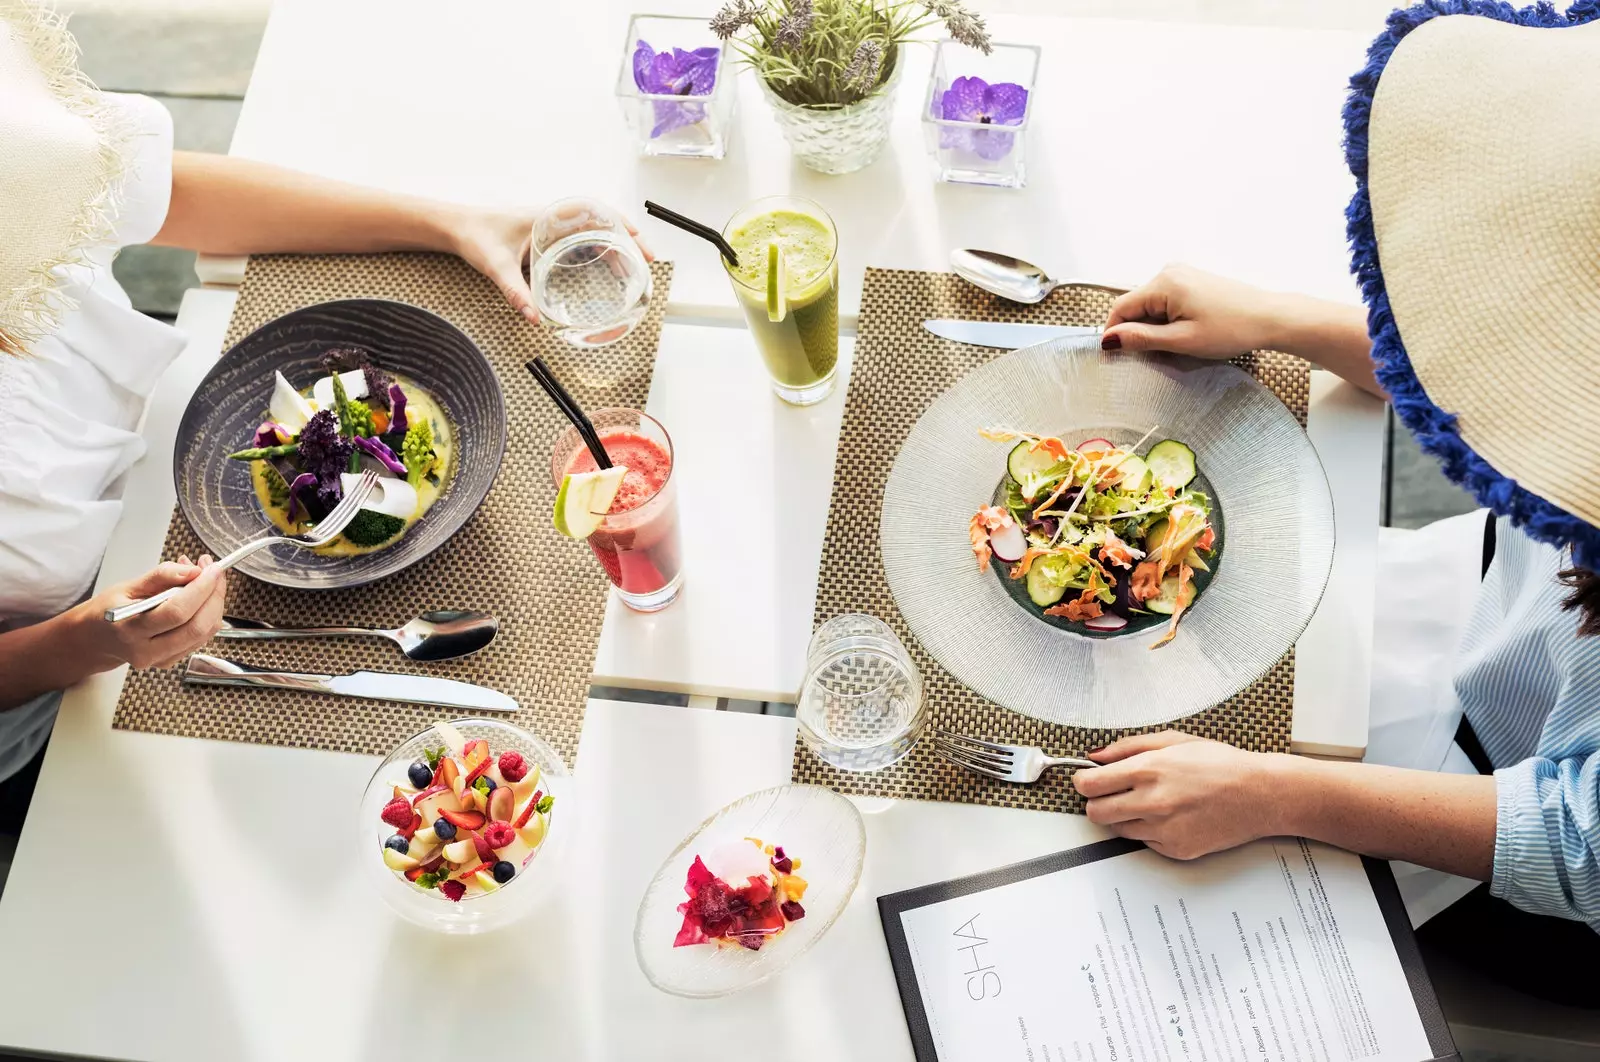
(590, 282)
(861, 705)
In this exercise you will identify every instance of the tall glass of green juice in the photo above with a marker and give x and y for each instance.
(798, 331)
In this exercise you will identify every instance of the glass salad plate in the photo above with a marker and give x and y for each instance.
(218, 497)
(814, 825)
(1265, 482)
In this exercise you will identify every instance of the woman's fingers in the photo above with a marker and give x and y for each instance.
(199, 629)
(644, 248)
(1118, 807)
(1103, 781)
(1137, 743)
(177, 610)
(1146, 303)
(1180, 337)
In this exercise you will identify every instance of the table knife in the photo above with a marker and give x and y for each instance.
(1009, 336)
(203, 670)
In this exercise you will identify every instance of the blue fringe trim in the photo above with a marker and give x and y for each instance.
(1435, 429)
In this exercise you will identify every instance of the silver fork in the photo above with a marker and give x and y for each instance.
(326, 531)
(1009, 763)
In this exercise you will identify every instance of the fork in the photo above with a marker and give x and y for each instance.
(1009, 763)
(324, 532)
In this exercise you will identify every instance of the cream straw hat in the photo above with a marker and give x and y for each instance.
(1474, 136)
(63, 151)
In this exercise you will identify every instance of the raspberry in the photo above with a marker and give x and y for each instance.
(499, 834)
(397, 813)
(453, 889)
(513, 768)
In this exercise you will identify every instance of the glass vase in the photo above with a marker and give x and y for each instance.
(991, 148)
(669, 124)
(837, 139)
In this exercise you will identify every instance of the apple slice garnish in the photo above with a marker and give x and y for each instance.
(436, 803)
(461, 851)
(476, 752)
(532, 834)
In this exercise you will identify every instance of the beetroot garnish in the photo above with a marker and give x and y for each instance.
(753, 941)
(780, 862)
(711, 904)
(793, 911)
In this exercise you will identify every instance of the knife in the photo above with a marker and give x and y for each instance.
(1009, 336)
(203, 670)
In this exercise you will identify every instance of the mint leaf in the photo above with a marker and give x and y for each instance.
(544, 806)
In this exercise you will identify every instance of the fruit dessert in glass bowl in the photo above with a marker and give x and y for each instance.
(468, 820)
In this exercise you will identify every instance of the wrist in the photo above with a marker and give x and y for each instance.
(1287, 786)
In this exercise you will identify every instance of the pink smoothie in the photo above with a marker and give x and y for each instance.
(647, 463)
(640, 557)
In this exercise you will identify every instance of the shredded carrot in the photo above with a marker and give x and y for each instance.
(1185, 596)
(380, 421)
(1080, 608)
(1116, 551)
(1029, 555)
(1146, 581)
(1207, 539)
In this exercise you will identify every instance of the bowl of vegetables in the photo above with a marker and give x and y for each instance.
(298, 409)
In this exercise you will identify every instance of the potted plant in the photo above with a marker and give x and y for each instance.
(829, 68)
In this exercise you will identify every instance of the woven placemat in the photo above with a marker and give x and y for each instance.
(899, 369)
(547, 590)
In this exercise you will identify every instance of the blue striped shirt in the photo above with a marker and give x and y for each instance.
(1530, 687)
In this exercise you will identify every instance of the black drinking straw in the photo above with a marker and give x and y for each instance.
(564, 401)
(705, 232)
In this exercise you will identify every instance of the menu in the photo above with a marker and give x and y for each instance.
(1279, 951)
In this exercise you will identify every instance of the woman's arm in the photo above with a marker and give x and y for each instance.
(1188, 311)
(66, 649)
(225, 205)
(1187, 797)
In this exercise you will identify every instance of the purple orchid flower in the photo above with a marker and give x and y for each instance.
(675, 73)
(972, 99)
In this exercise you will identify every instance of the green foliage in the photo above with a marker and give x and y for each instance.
(832, 53)
(358, 418)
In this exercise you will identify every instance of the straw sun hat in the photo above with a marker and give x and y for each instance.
(63, 152)
(1474, 135)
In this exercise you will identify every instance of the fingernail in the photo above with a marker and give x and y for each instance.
(1111, 342)
(1095, 752)
(531, 314)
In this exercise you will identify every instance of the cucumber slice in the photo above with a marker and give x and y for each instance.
(1171, 463)
(1041, 591)
(1154, 534)
(1027, 462)
(1135, 474)
(1166, 602)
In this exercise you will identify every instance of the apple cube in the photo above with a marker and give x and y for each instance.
(398, 860)
(501, 805)
(425, 837)
(423, 853)
(435, 804)
(461, 851)
(485, 881)
(533, 833)
(525, 786)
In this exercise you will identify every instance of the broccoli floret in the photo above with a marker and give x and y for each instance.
(358, 418)
(417, 452)
(373, 529)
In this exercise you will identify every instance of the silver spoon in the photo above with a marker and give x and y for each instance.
(443, 635)
(1011, 278)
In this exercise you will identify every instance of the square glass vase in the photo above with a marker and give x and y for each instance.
(992, 151)
(669, 124)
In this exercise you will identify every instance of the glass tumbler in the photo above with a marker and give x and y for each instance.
(861, 705)
(637, 542)
(590, 282)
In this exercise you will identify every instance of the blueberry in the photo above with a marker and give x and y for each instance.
(492, 786)
(503, 871)
(398, 843)
(445, 829)
(420, 775)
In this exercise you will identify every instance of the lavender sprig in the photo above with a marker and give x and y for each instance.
(862, 73)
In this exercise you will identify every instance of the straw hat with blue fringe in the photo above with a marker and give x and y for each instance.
(1474, 135)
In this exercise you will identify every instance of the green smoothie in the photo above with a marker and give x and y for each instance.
(802, 347)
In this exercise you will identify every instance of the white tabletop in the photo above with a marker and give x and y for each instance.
(194, 919)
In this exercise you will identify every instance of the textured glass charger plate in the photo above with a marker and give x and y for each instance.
(815, 825)
(1268, 485)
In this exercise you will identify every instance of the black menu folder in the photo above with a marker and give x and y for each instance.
(1110, 953)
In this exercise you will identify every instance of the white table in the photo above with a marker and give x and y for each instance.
(193, 919)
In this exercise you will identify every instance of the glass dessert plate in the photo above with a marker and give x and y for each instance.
(811, 823)
(475, 913)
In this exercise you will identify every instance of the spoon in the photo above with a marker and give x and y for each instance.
(443, 635)
(1011, 278)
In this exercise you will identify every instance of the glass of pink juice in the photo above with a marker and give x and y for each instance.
(637, 542)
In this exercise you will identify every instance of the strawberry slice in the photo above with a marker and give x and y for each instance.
(482, 866)
(464, 820)
(414, 873)
(416, 824)
(527, 812)
(477, 772)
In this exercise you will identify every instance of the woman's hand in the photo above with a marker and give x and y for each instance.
(162, 636)
(497, 245)
(1188, 311)
(1184, 796)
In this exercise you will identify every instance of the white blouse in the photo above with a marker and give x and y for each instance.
(71, 410)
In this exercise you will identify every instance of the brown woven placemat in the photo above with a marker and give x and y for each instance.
(899, 369)
(547, 590)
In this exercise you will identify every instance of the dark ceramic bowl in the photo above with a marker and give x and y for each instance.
(215, 494)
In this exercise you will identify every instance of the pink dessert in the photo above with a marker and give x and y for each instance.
(745, 898)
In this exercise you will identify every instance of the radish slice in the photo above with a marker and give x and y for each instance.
(1008, 542)
(1106, 623)
(1101, 445)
